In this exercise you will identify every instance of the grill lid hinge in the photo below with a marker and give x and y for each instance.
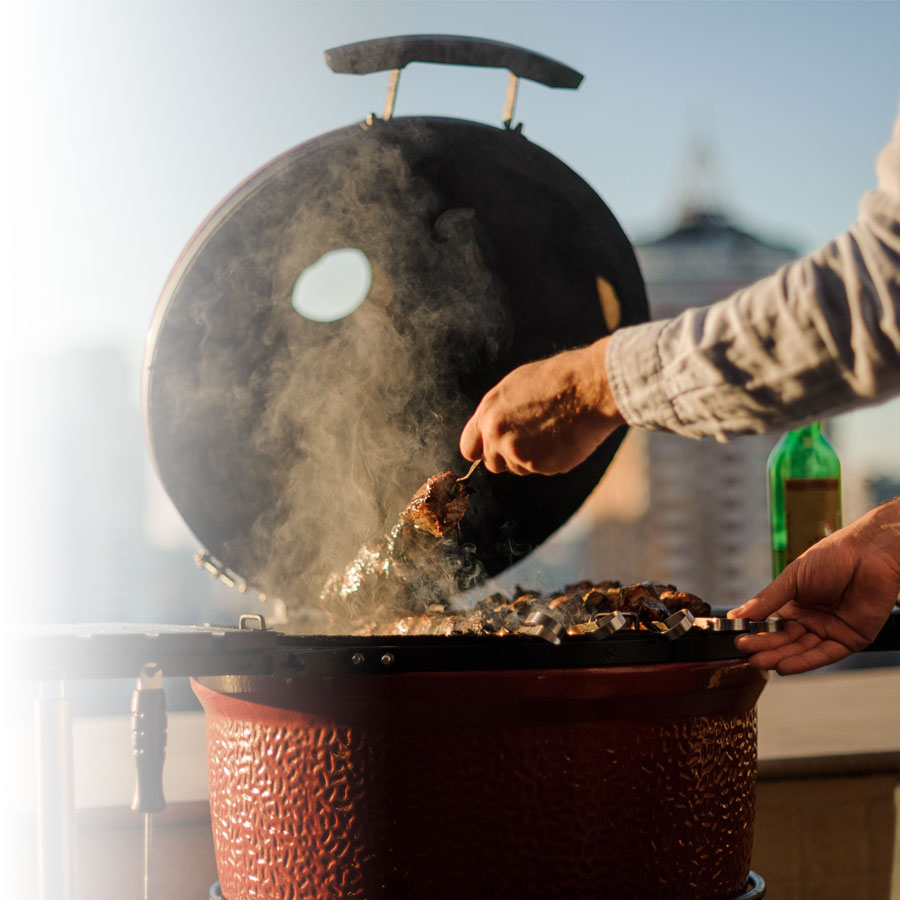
(206, 561)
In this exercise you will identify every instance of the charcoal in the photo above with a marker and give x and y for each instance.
(578, 588)
(494, 619)
(607, 585)
(641, 589)
(596, 601)
(522, 604)
(613, 595)
(455, 624)
(648, 610)
(577, 609)
(675, 600)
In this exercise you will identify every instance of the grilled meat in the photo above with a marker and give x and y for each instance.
(420, 562)
(438, 505)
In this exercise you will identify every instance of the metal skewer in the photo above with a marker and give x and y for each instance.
(468, 474)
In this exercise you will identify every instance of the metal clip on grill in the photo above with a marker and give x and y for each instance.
(676, 625)
(543, 625)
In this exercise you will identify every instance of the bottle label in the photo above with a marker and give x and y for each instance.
(812, 511)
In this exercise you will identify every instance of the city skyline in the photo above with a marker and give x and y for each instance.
(121, 158)
(131, 121)
(121, 551)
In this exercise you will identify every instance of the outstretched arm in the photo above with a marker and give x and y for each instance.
(836, 596)
(819, 336)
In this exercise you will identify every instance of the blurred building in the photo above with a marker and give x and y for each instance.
(94, 537)
(699, 519)
(81, 489)
(880, 490)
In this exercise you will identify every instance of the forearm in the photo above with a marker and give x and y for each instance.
(819, 336)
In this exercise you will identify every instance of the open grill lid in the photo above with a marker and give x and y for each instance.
(285, 443)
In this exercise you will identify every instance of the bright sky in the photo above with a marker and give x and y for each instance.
(128, 122)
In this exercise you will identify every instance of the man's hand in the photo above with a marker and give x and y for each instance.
(545, 417)
(836, 596)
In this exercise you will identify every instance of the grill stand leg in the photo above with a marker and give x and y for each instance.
(55, 796)
(148, 732)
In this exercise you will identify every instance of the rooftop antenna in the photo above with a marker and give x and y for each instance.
(701, 184)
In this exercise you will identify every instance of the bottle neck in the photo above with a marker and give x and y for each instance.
(814, 429)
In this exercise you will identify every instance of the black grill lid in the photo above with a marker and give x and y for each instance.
(284, 442)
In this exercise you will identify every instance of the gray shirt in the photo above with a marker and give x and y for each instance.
(819, 336)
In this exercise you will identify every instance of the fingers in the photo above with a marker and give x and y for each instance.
(497, 458)
(758, 608)
(760, 643)
(791, 651)
(769, 600)
(470, 442)
(471, 446)
(823, 654)
(517, 468)
(497, 463)
(802, 656)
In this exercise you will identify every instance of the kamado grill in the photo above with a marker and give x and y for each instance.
(615, 763)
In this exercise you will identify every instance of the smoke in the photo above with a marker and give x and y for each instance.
(353, 416)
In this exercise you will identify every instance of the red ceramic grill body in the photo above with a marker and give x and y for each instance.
(620, 781)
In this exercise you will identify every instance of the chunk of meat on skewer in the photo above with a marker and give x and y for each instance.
(439, 505)
(418, 562)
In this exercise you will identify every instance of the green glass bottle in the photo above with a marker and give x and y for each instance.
(804, 475)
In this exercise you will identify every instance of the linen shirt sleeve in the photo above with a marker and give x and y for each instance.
(819, 336)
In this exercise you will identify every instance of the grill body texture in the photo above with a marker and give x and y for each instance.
(629, 782)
